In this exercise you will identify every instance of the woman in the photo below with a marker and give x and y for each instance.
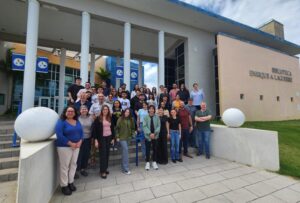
(114, 94)
(86, 122)
(140, 118)
(151, 100)
(162, 142)
(175, 129)
(184, 94)
(165, 109)
(154, 92)
(176, 103)
(116, 114)
(69, 138)
(151, 128)
(124, 131)
(103, 133)
(133, 93)
(120, 90)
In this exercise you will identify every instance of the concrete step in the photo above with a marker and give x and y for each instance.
(8, 174)
(7, 137)
(6, 130)
(7, 144)
(10, 162)
(9, 152)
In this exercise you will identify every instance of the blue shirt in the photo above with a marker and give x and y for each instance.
(142, 113)
(197, 97)
(66, 132)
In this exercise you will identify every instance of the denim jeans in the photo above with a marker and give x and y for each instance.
(141, 135)
(174, 144)
(184, 141)
(125, 158)
(203, 138)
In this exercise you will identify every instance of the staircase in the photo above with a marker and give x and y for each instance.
(9, 156)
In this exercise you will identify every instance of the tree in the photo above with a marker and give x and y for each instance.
(103, 74)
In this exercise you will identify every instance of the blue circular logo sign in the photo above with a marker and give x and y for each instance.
(120, 72)
(19, 62)
(42, 64)
(133, 75)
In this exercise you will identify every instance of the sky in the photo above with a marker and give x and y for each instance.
(249, 12)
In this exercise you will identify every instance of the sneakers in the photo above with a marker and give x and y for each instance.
(66, 190)
(154, 165)
(127, 172)
(147, 167)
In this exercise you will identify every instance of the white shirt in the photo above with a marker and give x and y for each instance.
(125, 103)
(96, 108)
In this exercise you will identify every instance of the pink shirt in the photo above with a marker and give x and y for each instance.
(106, 128)
(173, 93)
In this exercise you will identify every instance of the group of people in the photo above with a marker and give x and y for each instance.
(104, 117)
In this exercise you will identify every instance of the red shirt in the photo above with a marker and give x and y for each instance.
(184, 115)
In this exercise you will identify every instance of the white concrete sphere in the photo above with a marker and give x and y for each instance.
(36, 124)
(233, 117)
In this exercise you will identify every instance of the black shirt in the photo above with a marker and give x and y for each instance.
(74, 89)
(138, 106)
(174, 123)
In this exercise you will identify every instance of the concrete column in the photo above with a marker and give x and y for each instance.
(127, 43)
(92, 69)
(30, 58)
(140, 73)
(118, 80)
(61, 90)
(161, 58)
(85, 45)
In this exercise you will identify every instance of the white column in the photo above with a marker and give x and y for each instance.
(161, 58)
(61, 90)
(118, 80)
(140, 71)
(30, 58)
(85, 44)
(127, 43)
(92, 69)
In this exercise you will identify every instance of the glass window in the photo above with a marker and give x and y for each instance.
(2, 99)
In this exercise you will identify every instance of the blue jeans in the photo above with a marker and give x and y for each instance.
(184, 141)
(174, 144)
(125, 158)
(142, 140)
(203, 138)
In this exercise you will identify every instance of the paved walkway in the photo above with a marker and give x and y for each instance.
(194, 180)
(8, 192)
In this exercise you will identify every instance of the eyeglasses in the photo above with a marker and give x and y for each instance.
(70, 111)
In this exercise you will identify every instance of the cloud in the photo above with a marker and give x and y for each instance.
(255, 13)
(150, 74)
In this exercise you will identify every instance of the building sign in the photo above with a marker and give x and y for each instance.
(276, 74)
(119, 72)
(18, 63)
(133, 74)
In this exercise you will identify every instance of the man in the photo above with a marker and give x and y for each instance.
(165, 99)
(139, 104)
(197, 95)
(94, 95)
(192, 109)
(186, 129)
(87, 87)
(73, 90)
(83, 101)
(123, 86)
(106, 90)
(96, 107)
(203, 131)
(125, 103)
(173, 92)
(135, 99)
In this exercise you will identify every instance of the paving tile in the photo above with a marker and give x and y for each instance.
(189, 196)
(216, 199)
(260, 189)
(176, 169)
(267, 174)
(214, 189)
(191, 183)
(287, 195)
(100, 184)
(235, 183)
(167, 189)
(84, 196)
(171, 178)
(295, 187)
(137, 196)
(267, 199)
(193, 173)
(154, 173)
(240, 195)
(129, 178)
(164, 199)
(253, 178)
(147, 183)
(237, 172)
(280, 182)
(116, 190)
(113, 199)
(212, 178)
(212, 169)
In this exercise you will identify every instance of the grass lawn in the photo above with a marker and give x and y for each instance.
(289, 143)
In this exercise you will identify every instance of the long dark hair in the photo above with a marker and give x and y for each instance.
(123, 113)
(120, 105)
(63, 114)
(108, 117)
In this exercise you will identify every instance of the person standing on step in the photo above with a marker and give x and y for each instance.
(175, 129)
(69, 135)
(103, 133)
(197, 95)
(151, 128)
(141, 114)
(203, 131)
(125, 130)
(162, 142)
(73, 90)
(86, 122)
